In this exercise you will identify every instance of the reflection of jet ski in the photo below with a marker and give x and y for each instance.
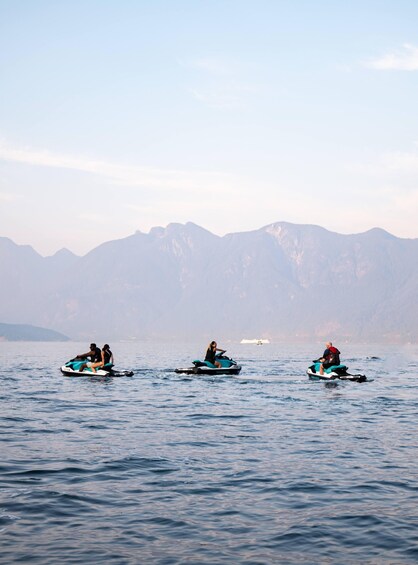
(72, 369)
(332, 373)
(229, 367)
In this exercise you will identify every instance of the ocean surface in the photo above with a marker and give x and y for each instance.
(264, 467)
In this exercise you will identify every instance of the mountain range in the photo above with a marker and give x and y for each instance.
(283, 282)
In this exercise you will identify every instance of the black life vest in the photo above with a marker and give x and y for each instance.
(96, 356)
(107, 356)
(210, 355)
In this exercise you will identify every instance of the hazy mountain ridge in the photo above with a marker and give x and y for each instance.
(282, 281)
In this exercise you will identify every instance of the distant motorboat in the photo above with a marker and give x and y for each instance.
(255, 341)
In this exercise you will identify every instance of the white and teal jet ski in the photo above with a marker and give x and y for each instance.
(229, 367)
(73, 369)
(332, 373)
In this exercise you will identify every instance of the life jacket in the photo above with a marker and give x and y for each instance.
(96, 357)
(333, 356)
(107, 356)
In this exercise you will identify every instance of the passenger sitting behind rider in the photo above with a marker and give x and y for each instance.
(211, 354)
(331, 356)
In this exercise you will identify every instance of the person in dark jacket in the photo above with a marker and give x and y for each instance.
(95, 356)
(331, 356)
(211, 353)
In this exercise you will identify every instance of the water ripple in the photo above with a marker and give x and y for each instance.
(266, 467)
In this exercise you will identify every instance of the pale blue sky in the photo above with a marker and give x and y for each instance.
(117, 116)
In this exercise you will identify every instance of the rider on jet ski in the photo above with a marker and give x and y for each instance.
(331, 356)
(95, 356)
(211, 354)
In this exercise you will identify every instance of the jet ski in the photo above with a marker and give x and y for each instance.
(72, 369)
(332, 373)
(229, 367)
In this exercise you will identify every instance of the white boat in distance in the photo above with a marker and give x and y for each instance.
(255, 341)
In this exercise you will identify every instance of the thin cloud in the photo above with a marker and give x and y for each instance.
(389, 166)
(402, 162)
(222, 96)
(8, 197)
(122, 174)
(398, 163)
(209, 65)
(217, 83)
(93, 218)
(403, 60)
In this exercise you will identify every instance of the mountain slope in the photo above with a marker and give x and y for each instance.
(282, 281)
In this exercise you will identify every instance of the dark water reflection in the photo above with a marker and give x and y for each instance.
(266, 467)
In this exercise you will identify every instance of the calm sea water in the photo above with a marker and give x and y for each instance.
(265, 467)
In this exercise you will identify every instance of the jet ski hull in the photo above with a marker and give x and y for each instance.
(72, 369)
(210, 371)
(229, 367)
(339, 372)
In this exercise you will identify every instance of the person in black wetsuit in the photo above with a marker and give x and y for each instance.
(211, 354)
(331, 356)
(95, 355)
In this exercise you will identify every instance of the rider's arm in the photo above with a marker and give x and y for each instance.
(84, 355)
